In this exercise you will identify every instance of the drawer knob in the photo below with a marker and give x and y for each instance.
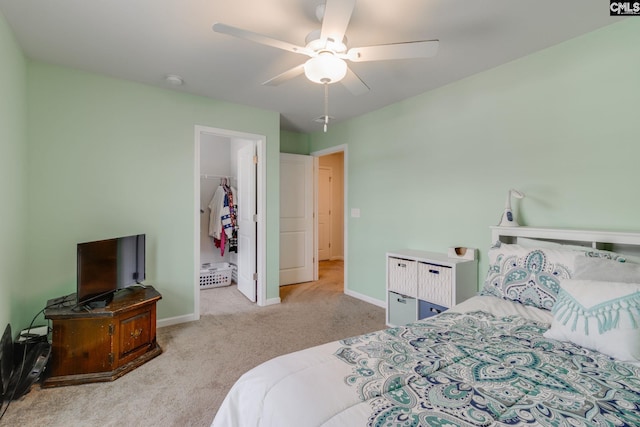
(434, 271)
(403, 265)
(136, 333)
(402, 300)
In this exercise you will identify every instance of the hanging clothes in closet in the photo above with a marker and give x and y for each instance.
(223, 224)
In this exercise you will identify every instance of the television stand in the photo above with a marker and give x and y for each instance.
(104, 343)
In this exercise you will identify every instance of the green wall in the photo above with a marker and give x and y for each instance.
(294, 143)
(433, 171)
(109, 157)
(13, 180)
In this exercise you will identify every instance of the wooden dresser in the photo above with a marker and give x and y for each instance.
(102, 344)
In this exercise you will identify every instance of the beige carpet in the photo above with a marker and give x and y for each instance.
(186, 384)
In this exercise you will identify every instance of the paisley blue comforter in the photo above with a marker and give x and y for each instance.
(478, 370)
(454, 370)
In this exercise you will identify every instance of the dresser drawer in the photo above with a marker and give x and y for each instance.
(402, 309)
(427, 309)
(435, 284)
(403, 276)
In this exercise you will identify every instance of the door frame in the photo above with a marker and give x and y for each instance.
(261, 208)
(345, 182)
(317, 208)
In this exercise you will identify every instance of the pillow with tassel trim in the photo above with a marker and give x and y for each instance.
(601, 316)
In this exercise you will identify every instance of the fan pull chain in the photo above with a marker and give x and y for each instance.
(326, 106)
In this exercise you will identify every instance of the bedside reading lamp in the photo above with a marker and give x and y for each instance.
(508, 219)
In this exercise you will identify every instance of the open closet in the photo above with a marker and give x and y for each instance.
(218, 232)
(227, 213)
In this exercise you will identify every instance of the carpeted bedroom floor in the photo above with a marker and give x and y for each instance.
(186, 384)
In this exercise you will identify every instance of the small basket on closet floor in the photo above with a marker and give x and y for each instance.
(216, 276)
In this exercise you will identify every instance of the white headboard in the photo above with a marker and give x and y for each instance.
(627, 243)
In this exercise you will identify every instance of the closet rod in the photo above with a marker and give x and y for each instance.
(205, 176)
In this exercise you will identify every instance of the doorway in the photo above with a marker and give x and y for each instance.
(331, 207)
(331, 234)
(232, 158)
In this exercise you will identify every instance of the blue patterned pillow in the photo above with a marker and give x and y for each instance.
(601, 316)
(530, 276)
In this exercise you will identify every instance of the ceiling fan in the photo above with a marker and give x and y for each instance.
(328, 51)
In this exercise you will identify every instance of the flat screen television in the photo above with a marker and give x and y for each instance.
(104, 266)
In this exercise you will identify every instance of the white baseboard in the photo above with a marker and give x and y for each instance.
(365, 298)
(272, 301)
(175, 320)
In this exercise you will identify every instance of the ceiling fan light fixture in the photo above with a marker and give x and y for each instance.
(325, 68)
(317, 44)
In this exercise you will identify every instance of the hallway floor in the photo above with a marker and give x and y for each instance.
(228, 299)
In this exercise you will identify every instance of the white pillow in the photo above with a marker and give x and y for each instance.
(601, 316)
(588, 251)
(606, 270)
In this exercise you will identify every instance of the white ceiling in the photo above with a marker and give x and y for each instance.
(144, 40)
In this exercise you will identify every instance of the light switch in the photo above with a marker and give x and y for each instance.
(355, 213)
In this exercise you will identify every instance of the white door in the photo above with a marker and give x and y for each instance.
(246, 222)
(296, 218)
(325, 197)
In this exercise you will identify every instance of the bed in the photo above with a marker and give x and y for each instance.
(552, 339)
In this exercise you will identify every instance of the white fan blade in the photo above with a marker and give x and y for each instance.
(287, 75)
(259, 38)
(337, 14)
(354, 84)
(421, 49)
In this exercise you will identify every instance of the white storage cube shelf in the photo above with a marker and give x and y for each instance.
(422, 284)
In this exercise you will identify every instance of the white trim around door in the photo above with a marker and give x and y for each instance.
(261, 189)
(339, 149)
